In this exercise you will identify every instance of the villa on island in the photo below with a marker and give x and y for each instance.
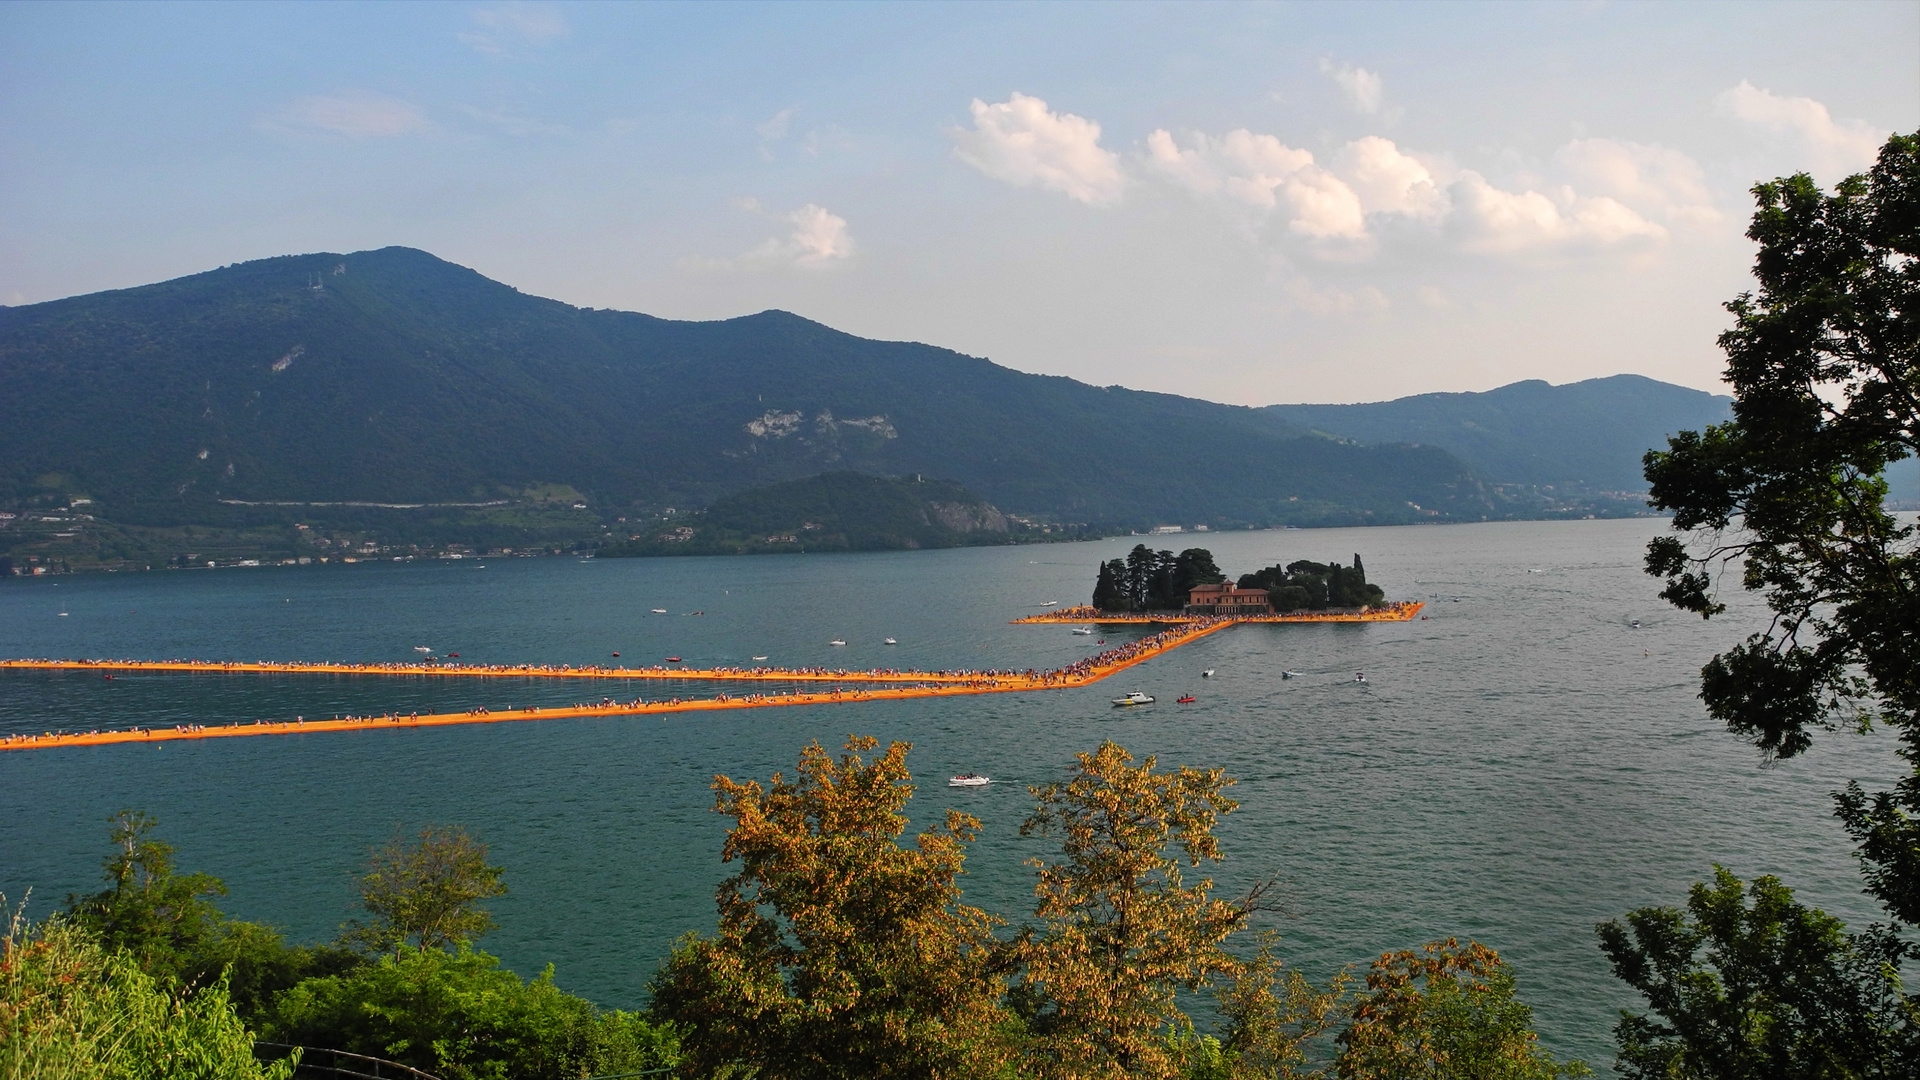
(1227, 598)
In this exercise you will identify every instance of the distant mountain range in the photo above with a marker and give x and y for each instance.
(392, 376)
(1585, 435)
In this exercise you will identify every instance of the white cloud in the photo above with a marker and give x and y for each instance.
(1652, 179)
(1832, 146)
(1264, 173)
(1389, 180)
(357, 114)
(819, 239)
(1487, 220)
(1362, 88)
(502, 26)
(1022, 142)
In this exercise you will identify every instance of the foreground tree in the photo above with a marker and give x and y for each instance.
(839, 953)
(1824, 361)
(1746, 983)
(1446, 1011)
(1121, 930)
(427, 894)
(163, 919)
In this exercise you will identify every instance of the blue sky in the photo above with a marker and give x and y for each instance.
(1249, 203)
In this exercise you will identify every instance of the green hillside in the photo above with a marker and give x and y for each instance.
(840, 511)
(391, 376)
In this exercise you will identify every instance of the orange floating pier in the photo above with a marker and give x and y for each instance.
(916, 684)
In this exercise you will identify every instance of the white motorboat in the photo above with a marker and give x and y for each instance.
(969, 780)
(1289, 674)
(1051, 603)
(836, 641)
(1359, 676)
(416, 648)
(759, 658)
(659, 611)
(890, 641)
(1084, 631)
(1135, 698)
(1207, 674)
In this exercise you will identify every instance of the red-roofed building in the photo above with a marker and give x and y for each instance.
(1227, 598)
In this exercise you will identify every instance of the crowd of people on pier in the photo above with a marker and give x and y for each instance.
(912, 684)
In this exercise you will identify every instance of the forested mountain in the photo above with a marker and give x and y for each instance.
(1588, 434)
(392, 376)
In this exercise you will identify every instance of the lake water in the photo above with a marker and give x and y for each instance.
(1521, 764)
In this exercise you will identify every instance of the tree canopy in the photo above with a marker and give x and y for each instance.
(1824, 360)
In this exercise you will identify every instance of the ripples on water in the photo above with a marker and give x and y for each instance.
(1521, 764)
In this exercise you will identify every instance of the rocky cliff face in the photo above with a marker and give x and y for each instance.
(964, 517)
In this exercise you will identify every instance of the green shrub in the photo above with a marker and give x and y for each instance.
(71, 1009)
(462, 1016)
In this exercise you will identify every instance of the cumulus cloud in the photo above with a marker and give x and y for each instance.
(1831, 145)
(1652, 179)
(819, 239)
(1488, 220)
(1262, 172)
(1389, 180)
(499, 28)
(1024, 143)
(1341, 206)
(360, 115)
(1362, 88)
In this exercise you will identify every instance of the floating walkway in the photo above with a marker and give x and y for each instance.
(920, 685)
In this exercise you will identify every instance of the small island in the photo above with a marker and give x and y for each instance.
(1159, 586)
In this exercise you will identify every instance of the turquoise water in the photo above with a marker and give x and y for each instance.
(1521, 764)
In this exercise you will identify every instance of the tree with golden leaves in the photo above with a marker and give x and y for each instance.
(1120, 929)
(840, 953)
(1446, 1012)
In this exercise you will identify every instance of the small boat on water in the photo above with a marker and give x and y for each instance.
(1084, 631)
(1289, 674)
(969, 780)
(1359, 676)
(1051, 603)
(1207, 674)
(659, 611)
(836, 641)
(1188, 700)
(759, 658)
(1135, 698)
(416, 648)
(673, 659)
(890, 641)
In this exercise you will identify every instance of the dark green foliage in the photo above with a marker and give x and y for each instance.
(402, 378)
(1303, 585)
(166, 921)
(170, 927)
(427, 895)
(1746, 984)
(1148, 580)
(1825, 365)
(841, 511)
(461, 1016)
